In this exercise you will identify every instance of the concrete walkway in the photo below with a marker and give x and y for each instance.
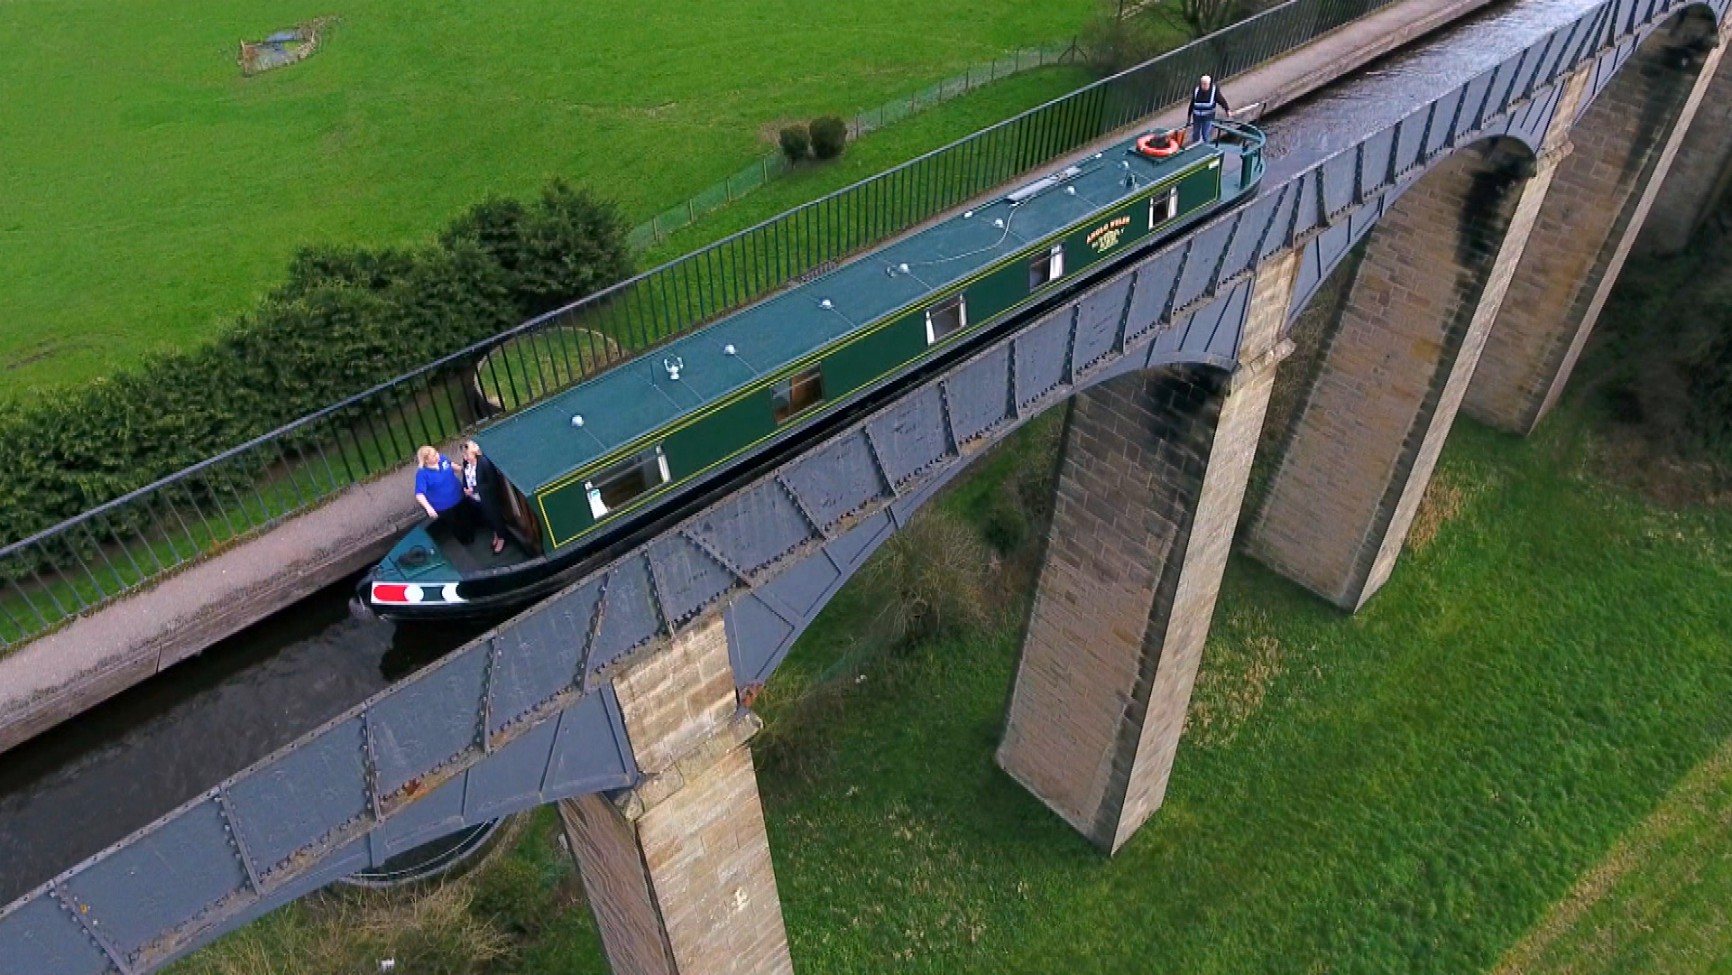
(96, 657)
(61, 675)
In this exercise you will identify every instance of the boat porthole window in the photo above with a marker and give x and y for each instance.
(946, 318)
(1047, 267)
(626, 480)
(797, 393)
(1163, 208)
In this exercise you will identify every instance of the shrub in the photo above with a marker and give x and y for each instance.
(933, 579)
(795, 142)
(344, 319)
(1112, 43)
(1005, 523)
(829, 134)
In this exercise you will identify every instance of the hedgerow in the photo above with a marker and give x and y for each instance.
(346, 318)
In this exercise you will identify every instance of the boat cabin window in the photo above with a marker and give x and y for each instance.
(626, 480)
(946, 319)
(1047, 267)
(1163, 207)
(797, 394)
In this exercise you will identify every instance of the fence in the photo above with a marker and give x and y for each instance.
(89, 560)
(774, 164)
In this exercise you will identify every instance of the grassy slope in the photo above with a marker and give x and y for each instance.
(1405, 790)
(1661, 902)
(150, 190)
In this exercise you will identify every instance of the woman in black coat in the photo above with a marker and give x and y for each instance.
(481, 488)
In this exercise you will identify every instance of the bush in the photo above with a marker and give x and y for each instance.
(1005, 523)
(933, 579)
(345, 319)
(829, 135)
(795, 142)
(1112, 43)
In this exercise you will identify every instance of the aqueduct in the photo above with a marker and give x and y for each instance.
(1471, 223)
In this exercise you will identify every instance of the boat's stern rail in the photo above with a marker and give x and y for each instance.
(1243, 142)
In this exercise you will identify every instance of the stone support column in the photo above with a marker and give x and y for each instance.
(1624, 147)
(1151, 478)
(677, 870)
(1701, 172)
(1393, 374)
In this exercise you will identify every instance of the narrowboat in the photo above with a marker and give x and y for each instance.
(598, 464)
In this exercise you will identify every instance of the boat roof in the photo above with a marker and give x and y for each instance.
(631, 400)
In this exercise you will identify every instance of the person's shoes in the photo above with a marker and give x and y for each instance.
(498, 545)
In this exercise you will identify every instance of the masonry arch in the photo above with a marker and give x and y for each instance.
(1618, 150)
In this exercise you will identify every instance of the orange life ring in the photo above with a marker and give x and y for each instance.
(1161, 144)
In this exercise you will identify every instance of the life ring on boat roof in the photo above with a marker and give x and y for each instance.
(1161, 143)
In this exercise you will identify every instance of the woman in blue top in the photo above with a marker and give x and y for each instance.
(436, 484)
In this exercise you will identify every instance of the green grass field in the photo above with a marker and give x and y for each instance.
(1661, 902)
(150, 191)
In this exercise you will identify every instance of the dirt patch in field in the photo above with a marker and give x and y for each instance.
(1239, 666)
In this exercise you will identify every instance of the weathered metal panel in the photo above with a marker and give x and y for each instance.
(799, 594)
(688, 577)
(1170, 344)
(429, 817)
(1308, 209)
(1508, 86)
(762, 525)
(1040, 356)
(590, 752)
(1410, 142)
(306, 792)
(756, 631)
(340, 864)
(978, 396)
(1151, 298)
(835, 480)
(1340, 182)
(1311, 272)
(846, 552)
(511, 777)
(1256, 223)
(1564, 44)
(429, 719)
(1280, 235)
(1473, 99)
(628, 614)
(537, 658)
(1443, 123)
(41, 937)
(1208, 248)
(135, 893)
(1228, 320)
(911, 435)
(1100, 313)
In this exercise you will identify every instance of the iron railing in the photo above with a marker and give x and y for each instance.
(84, 562)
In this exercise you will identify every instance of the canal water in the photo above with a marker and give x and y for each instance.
(91, 781)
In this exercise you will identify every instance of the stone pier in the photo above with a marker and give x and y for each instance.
(1701, 172)
(1374, 420)
(1625, 144)
(1153, 472)
(677, 870)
